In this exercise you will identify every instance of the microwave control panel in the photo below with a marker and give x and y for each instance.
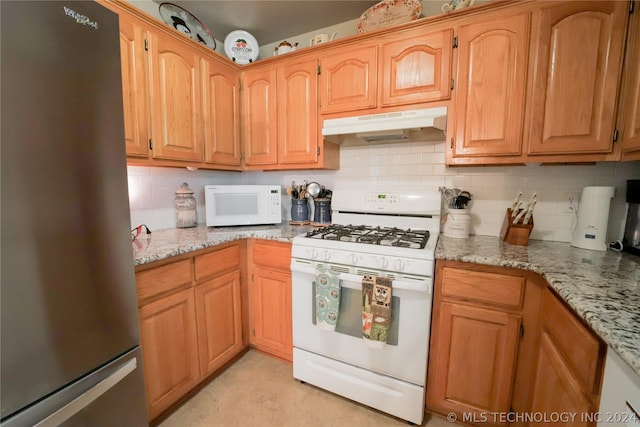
(275, 201)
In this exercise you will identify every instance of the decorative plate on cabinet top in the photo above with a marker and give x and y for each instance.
(241, 47)
(389, 12)
(183, 21)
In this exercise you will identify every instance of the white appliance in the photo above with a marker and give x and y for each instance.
(242, 204)
(380, 232)
(426, 124)
(593, 217)
(620, 399)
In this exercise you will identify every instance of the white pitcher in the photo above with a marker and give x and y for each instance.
(321, 38)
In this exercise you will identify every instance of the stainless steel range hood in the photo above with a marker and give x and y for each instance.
(426, 124)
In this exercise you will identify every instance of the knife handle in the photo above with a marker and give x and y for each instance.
(519, 216)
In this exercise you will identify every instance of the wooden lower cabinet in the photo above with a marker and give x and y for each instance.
(476, 335)
(555, 390)
(270, 295)
(503, 346)
(191, 321)
(569, 364)
(219, 319)
(169, 349)
(481, 347)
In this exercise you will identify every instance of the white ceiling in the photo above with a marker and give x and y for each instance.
(271, 21)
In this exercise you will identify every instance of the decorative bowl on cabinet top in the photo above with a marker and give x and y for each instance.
(456, 4)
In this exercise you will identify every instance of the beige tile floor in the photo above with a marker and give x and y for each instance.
(259, 390)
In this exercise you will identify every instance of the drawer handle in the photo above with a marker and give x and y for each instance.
(631, 408)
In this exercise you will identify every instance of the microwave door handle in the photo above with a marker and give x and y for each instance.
(348, 278)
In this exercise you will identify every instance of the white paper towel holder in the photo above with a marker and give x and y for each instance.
(593, 218)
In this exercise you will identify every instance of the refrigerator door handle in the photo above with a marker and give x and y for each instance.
(85, 399)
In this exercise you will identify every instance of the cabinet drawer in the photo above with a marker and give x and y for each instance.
(274, 255)
(163, 279)
(582, 351)
(217, 261)
(483, 287)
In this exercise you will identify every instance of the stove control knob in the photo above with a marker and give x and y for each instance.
(313, 253)
(384, 263)
(354, 259)
(326, 255)
(399, 265)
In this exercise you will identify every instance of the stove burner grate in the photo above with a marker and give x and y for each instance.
(383, 236)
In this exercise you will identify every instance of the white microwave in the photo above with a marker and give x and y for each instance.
(242, 204)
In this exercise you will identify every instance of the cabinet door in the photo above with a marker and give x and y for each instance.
(220, 113)
(472, 361)
(630, 94)
(555, 391)
(416, 68)
(259, 123)
(297, 110)
(271, 312)
(169, 347)
(176, 104)
(219, 320)
(491, 86)
(578, 51)
(349, 80)
(134, 86)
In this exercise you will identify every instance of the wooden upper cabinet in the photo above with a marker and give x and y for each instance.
(220, 113)
(134, 86)
(491, 86)
(176, 104)
(416, 68)
(297, 112)
(259, 120)
(578, 49)
(629, 122)
(349, 79)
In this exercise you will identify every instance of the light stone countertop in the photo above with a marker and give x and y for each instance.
(602, 287)
(166, 243)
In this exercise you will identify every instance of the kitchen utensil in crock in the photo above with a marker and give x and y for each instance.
(313, 188)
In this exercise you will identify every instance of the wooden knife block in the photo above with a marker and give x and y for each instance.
(515, 234)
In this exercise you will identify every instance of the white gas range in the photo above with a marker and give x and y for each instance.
(375, 232)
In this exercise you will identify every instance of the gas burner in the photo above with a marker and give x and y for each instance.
(383, 236)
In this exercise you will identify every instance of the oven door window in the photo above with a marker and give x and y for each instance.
(350, 314)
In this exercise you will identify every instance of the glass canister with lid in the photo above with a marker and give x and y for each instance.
(185, 204)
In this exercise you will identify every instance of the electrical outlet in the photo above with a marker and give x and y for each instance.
(570, 203)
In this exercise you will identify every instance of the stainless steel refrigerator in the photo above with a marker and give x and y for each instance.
(70, 337)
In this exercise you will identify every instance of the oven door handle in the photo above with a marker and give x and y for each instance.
(417, 286)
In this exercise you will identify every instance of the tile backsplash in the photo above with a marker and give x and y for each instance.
(152, 189)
